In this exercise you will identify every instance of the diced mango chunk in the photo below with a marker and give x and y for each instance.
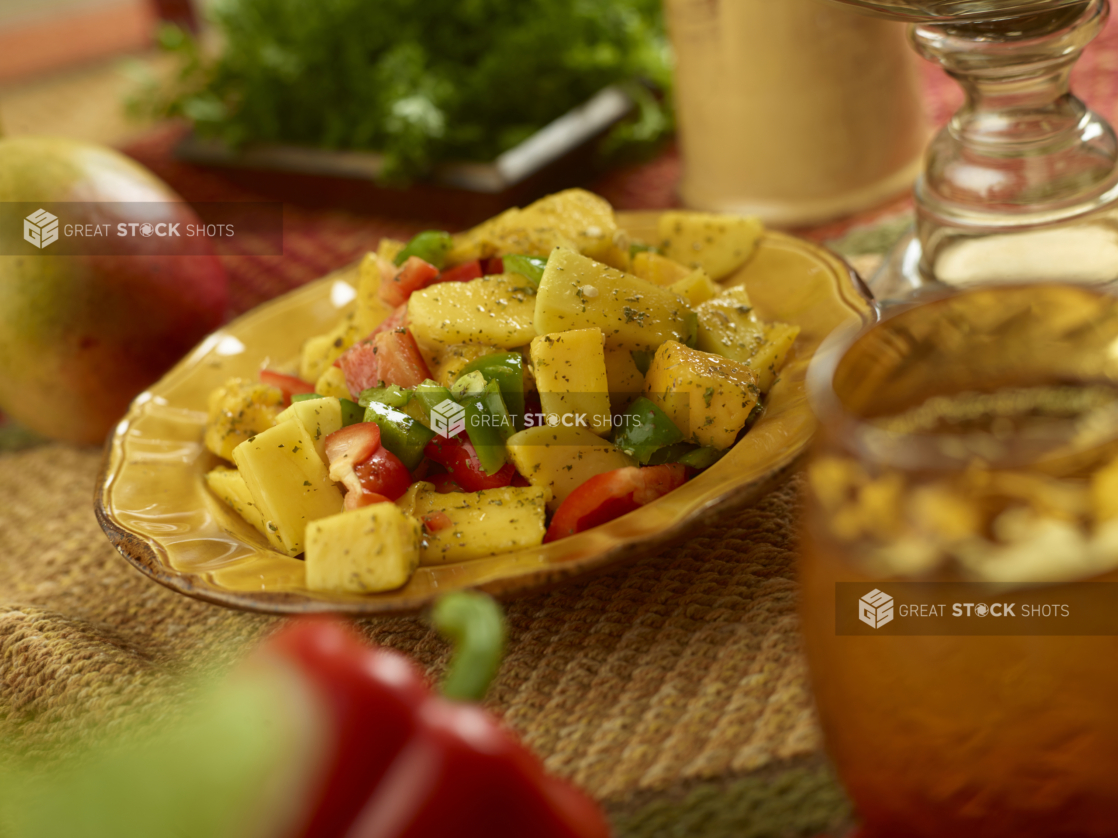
(319, 418)
(289, 483)
(570, 372)
(624, 377)
(709, 398)
(231, 488)
(493, 311)
(449, 361)
(332, 383)
(696, 287)
(562, 458)
(368, 550)
(572, 218)
(657, 269)
(577, 292)
(460, 526)
(720, 244)
(728, 326)
(239, 409)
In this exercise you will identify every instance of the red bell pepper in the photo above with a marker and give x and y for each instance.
(349, 446)
(412, 275)
(290, 385)
(383, 474)
(435, 521)
(361, 367)
(319, 736)
(443, 482)
(459, 458)
(399, 360)
(612, 494)
(370, 696)
(345, 450)
(462, 273)
(354, 500)
(408, 764)
(360, 363)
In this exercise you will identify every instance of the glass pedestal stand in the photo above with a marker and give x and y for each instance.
(1022, 184)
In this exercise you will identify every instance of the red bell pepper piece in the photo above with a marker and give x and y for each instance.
(462, 273)
(360, 363)
(492, 266)
(354, 500)
(612, 494)
(345, 449)
(369, 471)
(435, 521)
(289, 384)
(383, 474)
(396, 320)
(407, 764)
(398, 359)
(458, 457)
(443, 483)
(361, 367)
(412, 275)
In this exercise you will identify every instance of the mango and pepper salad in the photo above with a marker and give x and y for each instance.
(497, 389)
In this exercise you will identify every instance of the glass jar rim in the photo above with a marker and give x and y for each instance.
(914, 451)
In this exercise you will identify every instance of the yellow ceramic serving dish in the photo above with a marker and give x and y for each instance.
(154, 506)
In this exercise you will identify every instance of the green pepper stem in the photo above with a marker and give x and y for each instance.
(475, 625)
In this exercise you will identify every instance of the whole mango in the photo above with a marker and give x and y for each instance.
(81, 335)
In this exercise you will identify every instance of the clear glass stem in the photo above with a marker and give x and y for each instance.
(1024, 174)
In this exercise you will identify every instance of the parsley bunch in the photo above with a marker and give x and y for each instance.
(419, 81)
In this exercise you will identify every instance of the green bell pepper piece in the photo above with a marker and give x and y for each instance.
(399, 433)
(701, 458)
(494, 402)
(644, 428)
(430, 246)
(430, 394)
(488, 425)
(398, 397)
(692, 321)
(393, 395)
(468, 385)
(671, 453)
(352, 413)
(637, 247)
(642, 359)
(755, 414)
(507, 369)
(529, 267)
(687, 454)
